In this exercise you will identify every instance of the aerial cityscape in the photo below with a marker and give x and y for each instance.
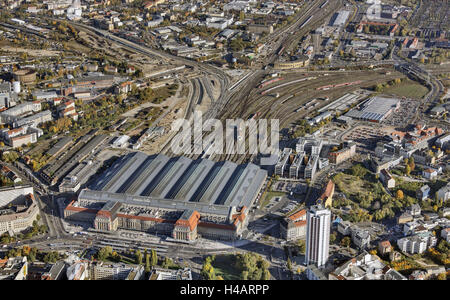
(224, 140)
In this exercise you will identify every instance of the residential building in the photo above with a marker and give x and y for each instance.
(417, 243)
(445, 234)
(404, 218)
(429, 174)
(444, 192)
(342, 155)
(424, 158)
(326, 198)
(414, 210)
(387, 179)
(361, 238)
(423, 193)
(443, 141)
(34, 120)
(384, 247)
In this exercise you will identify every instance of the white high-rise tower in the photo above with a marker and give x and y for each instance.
(318, 221)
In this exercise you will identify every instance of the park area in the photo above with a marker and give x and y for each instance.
(246, 266)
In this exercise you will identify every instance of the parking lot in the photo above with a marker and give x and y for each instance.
(365, 136)
(404, 115)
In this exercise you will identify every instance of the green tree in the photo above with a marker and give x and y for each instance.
(358, 171)
(407, 170)
(154, 258)
(301, 246)
(289, 264)
(147, 263)
(104, 253)
(346, 241)
(332, 237)
(244, 275)
(379, 88)
(138, 257)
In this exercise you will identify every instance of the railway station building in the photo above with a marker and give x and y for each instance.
(178, 197)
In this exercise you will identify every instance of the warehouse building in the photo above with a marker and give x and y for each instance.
(178, 197)
(376, 109)
(340, 18)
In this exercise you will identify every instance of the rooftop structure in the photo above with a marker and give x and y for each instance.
(163, 274)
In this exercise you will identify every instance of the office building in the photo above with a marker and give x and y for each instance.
(282, 162)
(293, 227)
(18, 209)
(317, 235)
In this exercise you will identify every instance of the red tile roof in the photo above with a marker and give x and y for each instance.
(297, 215)
(328, 190)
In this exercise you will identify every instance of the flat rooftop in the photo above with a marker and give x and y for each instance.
(374, 109)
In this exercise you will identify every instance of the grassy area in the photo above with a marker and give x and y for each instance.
(408, 188)
(269, 195)
(352, 185)
(224, 265)
(123, 259)
(408, 88)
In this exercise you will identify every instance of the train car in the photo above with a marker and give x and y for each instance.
(266, 83)
(306, 22)
(253, 116)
